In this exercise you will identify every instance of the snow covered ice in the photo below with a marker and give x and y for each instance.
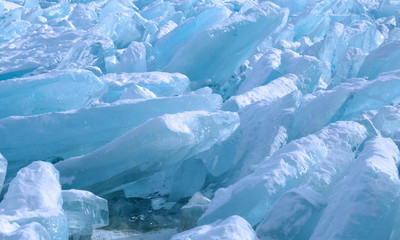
(199, 119)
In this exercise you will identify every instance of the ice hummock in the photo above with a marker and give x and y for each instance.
(368, 196)
(226, 119)
(322, 154)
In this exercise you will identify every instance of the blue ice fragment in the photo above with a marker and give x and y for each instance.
(50, 92)
(68, 134)
(382, 59)
(206, 59)
(162, 84)
(176, 137)
(166, 47)
(289, 216)
(84, 211)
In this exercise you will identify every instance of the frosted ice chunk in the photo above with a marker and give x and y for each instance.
(263, 70)
(133, 59)
(136, 92)
(50, 48)
(162, 84)
(349, 65)
(34, 195)
(57, 11)
(288, 217)
(192, 211)
(12, 25)
(165, 29)
(84, 211)
(125, 27)
(361, 203)
(207, 60)
(164, 141)
(331, 47)
(54, 91)
(252, 196)
(82, 17)
(346, 101)
(3, 170)
(67, 134)
(274, 63)
(382, 59)
(387, 121)
(232, 228)
(362, 34)
(197, 199)
(268, 93)
(286, 45)
(312, 73)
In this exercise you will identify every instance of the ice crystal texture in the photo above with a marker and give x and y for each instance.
(199, 119)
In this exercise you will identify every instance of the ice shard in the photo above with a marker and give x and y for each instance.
(84, 211)
(62, 135)
(175, 136)
(382, 59)
(289, 216)
(268, 93)
(238, 35)
(50, 92)
(162, 84)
